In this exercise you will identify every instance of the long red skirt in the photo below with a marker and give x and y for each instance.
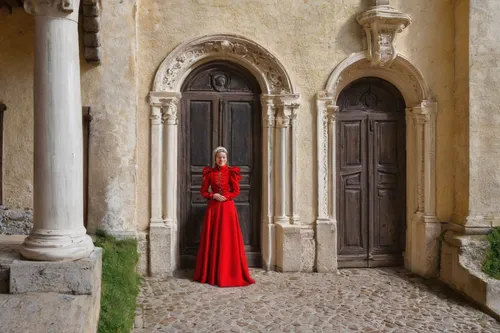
(221, 258)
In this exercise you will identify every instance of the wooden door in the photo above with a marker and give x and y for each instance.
(371, 174)
(220, 107)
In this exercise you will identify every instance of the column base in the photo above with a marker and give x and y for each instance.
(326, 246)
(268, 246)
(53, 296)
(288, 247)
(162, 249)
(57, 245)
(422, 250)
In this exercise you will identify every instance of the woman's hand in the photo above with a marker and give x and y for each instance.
(219, 197)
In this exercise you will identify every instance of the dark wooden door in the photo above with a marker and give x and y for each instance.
(371, 174)
(220, 107)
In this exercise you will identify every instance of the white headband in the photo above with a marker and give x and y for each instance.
(219, 149)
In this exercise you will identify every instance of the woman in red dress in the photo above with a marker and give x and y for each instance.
(221, 256)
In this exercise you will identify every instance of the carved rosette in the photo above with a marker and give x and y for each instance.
(381, 24)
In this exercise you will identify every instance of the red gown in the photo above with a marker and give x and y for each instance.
(221, 258)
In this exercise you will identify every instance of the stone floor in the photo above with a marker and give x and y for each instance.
(356, 300)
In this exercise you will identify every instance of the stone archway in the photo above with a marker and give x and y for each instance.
(279, 111)
(423, 227)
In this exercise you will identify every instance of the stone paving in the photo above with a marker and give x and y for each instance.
(356, 300)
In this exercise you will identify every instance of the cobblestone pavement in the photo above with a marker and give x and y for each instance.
(356, 300)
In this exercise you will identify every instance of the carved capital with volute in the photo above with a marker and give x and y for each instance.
(286, 109)
(57, 8)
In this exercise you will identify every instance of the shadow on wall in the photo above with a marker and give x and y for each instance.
(350, 36)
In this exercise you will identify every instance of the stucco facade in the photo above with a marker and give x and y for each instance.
(448, 53)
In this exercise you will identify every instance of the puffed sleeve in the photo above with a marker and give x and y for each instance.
(234, 180)
(205, 184)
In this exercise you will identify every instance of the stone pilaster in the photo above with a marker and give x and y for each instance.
(163, 224)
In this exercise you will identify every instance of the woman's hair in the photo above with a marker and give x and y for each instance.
(217, 150)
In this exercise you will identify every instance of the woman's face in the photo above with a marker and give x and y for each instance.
(221, 159)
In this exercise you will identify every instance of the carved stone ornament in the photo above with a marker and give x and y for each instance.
(35, 7)
(92, 30)
(262, 63)
(381, 24)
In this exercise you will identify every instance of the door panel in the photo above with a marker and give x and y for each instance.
(220, 108)
(371, 175)
(386, 223)
(200, 126)
(240, 120)
(352, 245)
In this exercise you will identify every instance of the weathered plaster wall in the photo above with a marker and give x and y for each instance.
(110, 90)
(461, 111)
(484, 55)
(16, 91)
(310, 38)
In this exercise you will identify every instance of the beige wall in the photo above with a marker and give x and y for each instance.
(461, 112)
(110, 90)
(310, 38)
(484, 126)
(16, 91)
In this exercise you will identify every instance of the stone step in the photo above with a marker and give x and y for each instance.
(9, 251)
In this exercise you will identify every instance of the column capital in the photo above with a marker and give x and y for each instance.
(165, 106)
(423, 112)
(169, 110)
(57, 8)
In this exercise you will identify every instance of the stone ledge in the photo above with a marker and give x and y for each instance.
(461, 260)
(75, 277)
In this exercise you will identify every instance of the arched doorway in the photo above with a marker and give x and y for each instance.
(220, 106)
(370, 165)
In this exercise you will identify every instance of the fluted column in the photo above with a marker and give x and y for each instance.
(163, 223)
(156, 161)
(58, 232)
(288, 232)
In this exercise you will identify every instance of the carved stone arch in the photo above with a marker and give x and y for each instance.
(423, 227)
(280, 222)
(406, 77)
(266, 68)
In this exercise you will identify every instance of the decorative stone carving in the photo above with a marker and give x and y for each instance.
(381, 23)
(235, 48)
(36, 7)
(423, 227)
(92, 30)
(169, 110)
(279, 112)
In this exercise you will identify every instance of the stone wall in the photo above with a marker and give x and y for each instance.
(16, 92)
(110, 90)
(15, 221)
(310, 44)
(484, 52)
(461, 112)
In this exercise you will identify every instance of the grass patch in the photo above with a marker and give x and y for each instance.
(120, 283)
(491, 265)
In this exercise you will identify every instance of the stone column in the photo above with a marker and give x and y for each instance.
(288, 236)
(58, 233)
(326, 222)
(163, 222)
(268, 191)
(424, 228)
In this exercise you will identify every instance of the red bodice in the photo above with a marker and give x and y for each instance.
(223, 180)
